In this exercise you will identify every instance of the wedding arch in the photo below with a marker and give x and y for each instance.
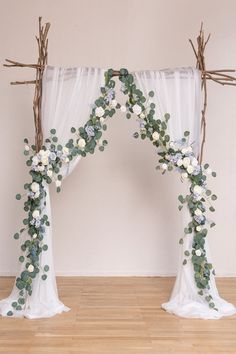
(166, 104)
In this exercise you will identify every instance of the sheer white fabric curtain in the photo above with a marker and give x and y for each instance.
(68, 94)
(178, 93)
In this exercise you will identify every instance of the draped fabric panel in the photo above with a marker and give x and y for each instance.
(68, 94)
(178, 93)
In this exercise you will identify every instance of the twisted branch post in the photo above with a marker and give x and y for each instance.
(221, 77)
(42, 43)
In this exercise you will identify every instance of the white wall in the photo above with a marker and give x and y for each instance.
(116, 214)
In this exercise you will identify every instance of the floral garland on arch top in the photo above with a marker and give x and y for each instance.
(45, 166)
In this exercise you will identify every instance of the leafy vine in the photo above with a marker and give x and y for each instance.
(45, 167)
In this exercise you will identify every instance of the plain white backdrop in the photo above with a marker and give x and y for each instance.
(116, 215)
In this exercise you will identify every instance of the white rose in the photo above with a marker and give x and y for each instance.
(35, 236)
(180, 162)
(198, 253)
(65, 150)
(102, 120)
(49, 173)
(190, 169)
(186, 162)
(164, 166)
(137, 109)
(36, 195)
(142, 115)
(58, 183)
(198, 228)
(184, 150)
(35, 160)
(36, 214)
(198, 212)
(123, 109)
(34, 187)
(67, 160)
(44, 160)
(155, 136)
(41, 168)
(198, 190)
(27, 147)
(184, 175)
(113, 103)
(194, 162)
(30, 268)
(43, 152)
(99, 111)
(81, 143)
(209, 171)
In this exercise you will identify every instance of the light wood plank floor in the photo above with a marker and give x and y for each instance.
(118, 315)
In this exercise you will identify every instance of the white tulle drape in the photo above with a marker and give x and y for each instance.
(68, 95)
(178, 93)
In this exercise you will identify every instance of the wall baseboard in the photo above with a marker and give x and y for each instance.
(114, 274)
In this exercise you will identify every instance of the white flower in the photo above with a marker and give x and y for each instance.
(198, 253)
(36, 214)
(184, 151)
(36, 195)
(186, 162)
(35, 236)
(198, 190)
(58, 183)
(49, 173)
(34, 187)
(35, 160)
(99, 111)
(81, 143)
(44, 160)
(123, 109)
(198, 228)
(113, 103)
(180, 162)
(184, 175)
(102, 120)
(209, 171)
(155, 136)
(41, 168)
(190, 169)
(67, 159)
(198, 212)
(137, 109)
(194, 162)
(27, 147)
(65, 150)
(142, 115)
(164, 166)
(43, 153)
(30, 268)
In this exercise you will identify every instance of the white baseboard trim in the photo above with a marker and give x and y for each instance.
(115, 274)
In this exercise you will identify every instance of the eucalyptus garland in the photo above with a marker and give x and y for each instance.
(45, 167)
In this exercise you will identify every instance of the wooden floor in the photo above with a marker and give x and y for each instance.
(118, 316)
